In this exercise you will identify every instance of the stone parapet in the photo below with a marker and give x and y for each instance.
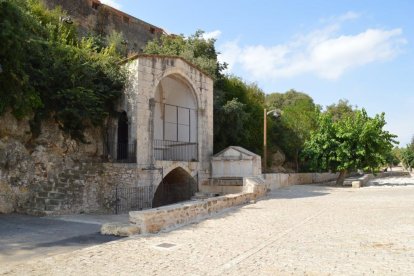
(278, 180)
(175, 215)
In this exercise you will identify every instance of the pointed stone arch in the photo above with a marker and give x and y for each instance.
(178, 185)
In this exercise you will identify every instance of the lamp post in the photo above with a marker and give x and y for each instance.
(276, 113)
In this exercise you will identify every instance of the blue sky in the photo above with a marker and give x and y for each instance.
(346, 49)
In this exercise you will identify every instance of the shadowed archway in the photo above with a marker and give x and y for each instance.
(122, 148)
(176, 186)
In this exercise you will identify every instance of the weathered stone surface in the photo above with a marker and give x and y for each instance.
(278, 159)
(105, 19)
(14, 128)
(175, 215)
(277, 180)
(235, 162)
(55, 173)
(7, 198)
(120, 229)
(356, 184)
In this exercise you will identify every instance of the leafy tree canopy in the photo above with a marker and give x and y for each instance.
(238, 114)
(281, 100)
(340, 110)
(292, 129)
(351, 143)
(406, 155)
(194, 49)
(48, 71)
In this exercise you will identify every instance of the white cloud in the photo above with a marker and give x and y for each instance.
(322, 52)
(212, 35)
(349, 16)
(112, 3)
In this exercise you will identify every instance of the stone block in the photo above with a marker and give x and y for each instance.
(357, 184)
(120, 229)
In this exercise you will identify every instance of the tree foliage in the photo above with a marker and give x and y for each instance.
(407, 155)
(194, 49)
(48, 71)
(341, 110)
(238, 114)
(282, 100)
(351, 143)
(298, 118)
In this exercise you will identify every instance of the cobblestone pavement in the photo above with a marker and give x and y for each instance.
(300, 230)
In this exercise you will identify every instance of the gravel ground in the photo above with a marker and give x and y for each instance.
(299, 230)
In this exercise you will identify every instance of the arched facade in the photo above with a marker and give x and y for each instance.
(169, 103)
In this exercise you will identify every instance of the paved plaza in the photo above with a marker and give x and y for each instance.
(299, 230)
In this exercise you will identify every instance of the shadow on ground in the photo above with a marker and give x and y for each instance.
(300, 191)
(26, 237)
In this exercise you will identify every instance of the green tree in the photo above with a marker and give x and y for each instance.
(281, 100)
(393, 158)
(340, 110)
(238, 114)
(47, 71)
(289, 132)
(300, 118)
(407, 155)
(194, 49)
(351, 143)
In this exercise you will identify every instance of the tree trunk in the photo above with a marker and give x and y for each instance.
(341, 177)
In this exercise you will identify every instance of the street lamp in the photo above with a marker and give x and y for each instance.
(276, 114)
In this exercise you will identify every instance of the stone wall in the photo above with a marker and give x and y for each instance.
(53, 174)
(175, 215)
(93, 16)
(278, 180)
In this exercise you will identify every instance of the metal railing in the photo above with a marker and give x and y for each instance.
(132, 199)
(121, 152)
(175, 151)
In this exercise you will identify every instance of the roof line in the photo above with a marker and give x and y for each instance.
(131, 16)
(136, 56)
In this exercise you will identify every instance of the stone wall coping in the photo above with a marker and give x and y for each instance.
(138, 56)
(188, 204)
(175, 215)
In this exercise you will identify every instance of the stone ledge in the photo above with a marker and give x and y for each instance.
(175, 215)
(363, 180)
(120, 229)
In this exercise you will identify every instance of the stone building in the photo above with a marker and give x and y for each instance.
(93, 16)
(165, 127)
(155, 153)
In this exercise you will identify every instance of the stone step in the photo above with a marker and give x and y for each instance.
(120, 229)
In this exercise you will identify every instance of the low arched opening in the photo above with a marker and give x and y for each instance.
(177, 186)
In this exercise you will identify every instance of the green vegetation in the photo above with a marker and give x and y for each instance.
(299, 118)
(406, 155)
(194, 49)
(47, 71)
(341, 110)
(350, 143)
(238, 114)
